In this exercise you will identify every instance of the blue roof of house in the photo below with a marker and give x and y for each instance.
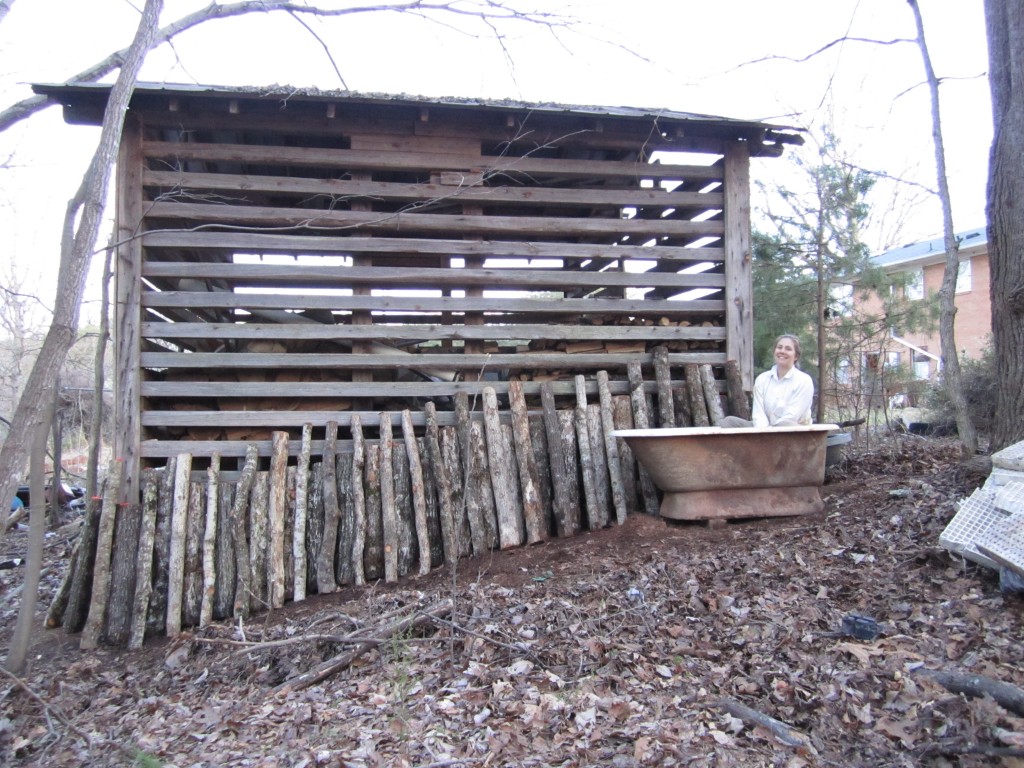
(926, 248)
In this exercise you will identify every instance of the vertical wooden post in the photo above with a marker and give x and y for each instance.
(565, 503)
(739, 304)
(711, 396)
(101, 572)
(387, 500)
(444, 485)
(641, 420)
(325, 581)
(358, 500)
(144, 560)
(240, 532)
(179, 528)
(594, 515)
(698, 405)
(301, 512)
(505, 496)
(419, 500)
(278, 503)
(663, 377)
(529, 480)
(373, 556)
(210, 541)
(611, 447)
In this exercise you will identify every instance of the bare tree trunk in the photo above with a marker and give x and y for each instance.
(85, 209)
(951, 375)
(96, 424)
(1005, 26)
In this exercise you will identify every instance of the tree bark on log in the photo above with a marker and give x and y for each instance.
(387, 500)
(695, 386)
(314, 524)
(463, 533)
(343, 571)
(1009, 697)
(611, 447)
(224, 587)
(259, 519)
(419, 496)
(642, 420)
(290, 474)
(156, 618)
(122, 573)
(681, 398)
(302, 511)
(407, 546)
(599, 462)
(481, 512)
(144, 559)
(443, 477)
(433, 514)
(101, 569)
(210, 540)
(277, 513)
(783, 732)
(240, 532)
(564, 500)
(663, 378)
(358, 501)
(739, 401)
(81, 583)
(622, 418)
(325, 580)
(192, 596)
(567, 473)
(529, 481)
(373, 556)
(59, 604)
(179, 533)
(711, 396)
(506, 500)
(539, 441)
(583, 446)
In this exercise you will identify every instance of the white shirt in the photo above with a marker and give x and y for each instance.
(786, 399)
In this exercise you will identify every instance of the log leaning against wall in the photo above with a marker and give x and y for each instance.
(240, 543)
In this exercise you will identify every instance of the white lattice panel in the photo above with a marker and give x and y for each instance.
(977, 513)
(1011, 457)
(1010, 498)
(1004, 542)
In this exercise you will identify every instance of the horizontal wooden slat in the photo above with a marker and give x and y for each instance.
(470, 362)
(313, 331)
(226, 300)
(304, 218)
(374, 161)
(383, 277)
(348, 190)
(313, 244)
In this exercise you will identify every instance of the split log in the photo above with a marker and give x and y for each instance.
(780, 730)
(695, 387)
(210, 541)
(302, 511)
(344, 574)
(529, 480)
(373, 554)
(583, 445)
(387, 500)
(681, 398)
(122, 573)
(224, 584)
(259, 524)
(277, 514)
(433, 514)
(663, 378)
(611, 447)
(364, 644)
(419, 498)
(711, 396)
(192, 596)
(481, 510)
(179, 532)
(442, 475)
(156, 617)
(595, 429)
(101, 568)
(510, 524)
(567, 473)
(739, 401)
(290, 475)
(565, 500)
(240, 532)
(314, 524)
(539, 441)
(407, 545)
(325, 581)
(81, 582)
(1006, 695)
(622, 418)
(462, 533)
(641, 420)
(358, 501)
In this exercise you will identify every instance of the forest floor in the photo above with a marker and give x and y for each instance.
(630, 646)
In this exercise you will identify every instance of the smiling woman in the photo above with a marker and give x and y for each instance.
(783, 394)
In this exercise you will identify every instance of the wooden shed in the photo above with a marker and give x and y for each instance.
(295, 260)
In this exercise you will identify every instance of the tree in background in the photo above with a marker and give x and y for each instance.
(1004, 21)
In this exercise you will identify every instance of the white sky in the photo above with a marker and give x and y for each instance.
(691, 52)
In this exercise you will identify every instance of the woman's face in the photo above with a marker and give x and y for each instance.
(785, 353)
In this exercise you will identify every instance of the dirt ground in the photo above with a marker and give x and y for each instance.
(636, 645)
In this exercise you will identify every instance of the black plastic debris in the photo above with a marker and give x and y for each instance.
(860, 627)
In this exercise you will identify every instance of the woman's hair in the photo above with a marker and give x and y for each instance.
(791, 337)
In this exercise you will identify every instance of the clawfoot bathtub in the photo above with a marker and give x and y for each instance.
(710, 472)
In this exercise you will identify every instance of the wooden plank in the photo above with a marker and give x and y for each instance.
(426, 223)
(419, 501)
(739, 261)
(301, 508)
(540, 196)
(611, 448)
(387, 498)
(506, 497)
(516, 249)
(277, 513)
(529, 479)
(325, 579)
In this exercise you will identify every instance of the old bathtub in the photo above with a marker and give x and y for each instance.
(710, 472)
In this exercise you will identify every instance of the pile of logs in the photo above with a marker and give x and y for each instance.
(195, 549)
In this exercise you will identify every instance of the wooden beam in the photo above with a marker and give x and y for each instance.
(739, 262)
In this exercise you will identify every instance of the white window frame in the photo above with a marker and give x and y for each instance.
(963, 277)
(915, 288)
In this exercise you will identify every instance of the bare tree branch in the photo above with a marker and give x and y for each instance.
(822, 49)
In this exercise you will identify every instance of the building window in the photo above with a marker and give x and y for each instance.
(892, 360)
(915, 288)
(922, 366)
(963, 277)
(843, 368)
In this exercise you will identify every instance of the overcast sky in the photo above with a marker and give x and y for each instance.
(688, 55)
